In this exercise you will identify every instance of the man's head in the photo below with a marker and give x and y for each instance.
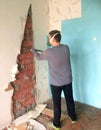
(54, 36)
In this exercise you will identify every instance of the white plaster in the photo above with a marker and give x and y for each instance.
(61, 10)
(5, 108)
(9, 128)
(13, 72)
(35, 125)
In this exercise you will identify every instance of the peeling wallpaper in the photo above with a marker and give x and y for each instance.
(62, 10)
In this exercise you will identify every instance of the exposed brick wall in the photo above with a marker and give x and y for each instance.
(24, 90)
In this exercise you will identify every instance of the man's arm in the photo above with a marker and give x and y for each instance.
(39, 56)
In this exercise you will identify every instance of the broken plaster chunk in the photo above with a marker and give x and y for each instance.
(11, 128)
(9, 87)
(35, 125)
(31, 114)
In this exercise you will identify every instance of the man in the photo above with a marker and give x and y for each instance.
(60, 75)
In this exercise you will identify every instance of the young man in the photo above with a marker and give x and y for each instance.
(60, 75)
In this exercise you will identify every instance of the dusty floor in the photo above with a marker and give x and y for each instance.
(88, 118)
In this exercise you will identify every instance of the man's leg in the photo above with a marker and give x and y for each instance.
(70, 101)
(56, 94)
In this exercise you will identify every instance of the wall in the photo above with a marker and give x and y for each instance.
(13, 16)
(41, 25)
(61, 10)
(24, 95)
(82, 35)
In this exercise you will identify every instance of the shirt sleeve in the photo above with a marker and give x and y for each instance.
(40, 56)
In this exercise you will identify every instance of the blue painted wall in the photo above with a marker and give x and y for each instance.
(83, 36)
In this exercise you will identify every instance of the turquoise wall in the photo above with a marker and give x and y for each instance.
(83, 36)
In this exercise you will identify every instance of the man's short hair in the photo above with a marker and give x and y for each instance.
(56, 34)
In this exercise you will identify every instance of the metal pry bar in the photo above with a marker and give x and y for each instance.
(39, 50)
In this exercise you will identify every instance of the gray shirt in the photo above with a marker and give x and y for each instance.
(59, 64)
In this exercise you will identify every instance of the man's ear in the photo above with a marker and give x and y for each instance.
(51, 39)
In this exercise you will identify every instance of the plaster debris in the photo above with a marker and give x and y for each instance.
(35, 125)
(13, 72)
(31, 114)
(11, 128)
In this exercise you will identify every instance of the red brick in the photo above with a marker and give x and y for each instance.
(20, 75)
(26, 61)
(22, 67)
(29, 55)
(25, 49)
(28, 102)
(25, 56)
(27, 86)
(15, 96)
(28, 90)
(24, 84)
(19, 82)
(27, 43)
(29, 95)
(30, 83)
(28, 25)
(28, 22)
(30, 67)
(23, 87)
(21, 99)
(32, 100)
(23, 75)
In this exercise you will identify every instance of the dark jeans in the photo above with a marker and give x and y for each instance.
(56, 94)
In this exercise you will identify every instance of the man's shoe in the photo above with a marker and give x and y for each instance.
(73, 121)
(50, 125)
(54, 127)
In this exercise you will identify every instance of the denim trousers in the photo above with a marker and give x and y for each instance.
(56, 95)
